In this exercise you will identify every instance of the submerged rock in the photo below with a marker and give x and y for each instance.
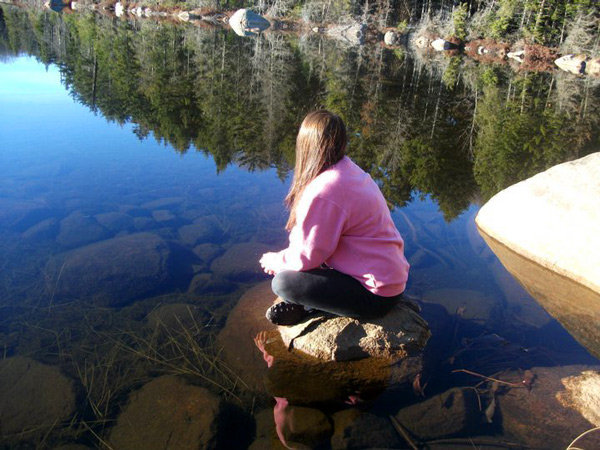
(115, 221)
(531, 415)
(20, 215)
(177, 316)
(293, 375)
(34, 397)
(583, 394)
(469, 304)
(46, 229)
(168, 413)
(204, 230)
(79, 229)
(302, 427)
(356, 430)
(164, 216)
(240, 262)
(247, 23)
(553, 219)
(400, 333)
(451, 413)
(116, 271)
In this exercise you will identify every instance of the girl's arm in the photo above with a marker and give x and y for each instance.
(313, 239)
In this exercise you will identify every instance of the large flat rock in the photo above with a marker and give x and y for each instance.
(553, 219)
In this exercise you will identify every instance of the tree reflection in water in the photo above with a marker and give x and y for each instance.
(440, 126)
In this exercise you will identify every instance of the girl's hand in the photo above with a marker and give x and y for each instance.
(268, 262)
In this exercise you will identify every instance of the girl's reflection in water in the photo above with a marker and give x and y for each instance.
(288, 416)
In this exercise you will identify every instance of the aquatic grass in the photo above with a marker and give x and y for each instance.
(185, 350)
(585, 433)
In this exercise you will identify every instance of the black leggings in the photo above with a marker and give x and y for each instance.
(333, 292)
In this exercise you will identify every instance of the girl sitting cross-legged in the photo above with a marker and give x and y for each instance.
(345, 255)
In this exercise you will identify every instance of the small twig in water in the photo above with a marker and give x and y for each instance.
(487, 378)
(400, 429)
(570, 447)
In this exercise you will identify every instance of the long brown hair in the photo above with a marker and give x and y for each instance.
(321, 142)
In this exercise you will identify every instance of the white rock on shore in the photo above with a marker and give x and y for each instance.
(553, 219)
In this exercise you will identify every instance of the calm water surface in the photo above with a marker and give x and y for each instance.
(133, 211)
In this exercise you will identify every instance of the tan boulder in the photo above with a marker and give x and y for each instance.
(400, 333)
(553, 219)
(168, 413)
(532, 415)
(451, 413)
(583, 394)
(293, 374)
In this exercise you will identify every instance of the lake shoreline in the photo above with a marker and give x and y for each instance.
(521, 54)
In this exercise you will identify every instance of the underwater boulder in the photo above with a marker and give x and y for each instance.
(19, 215)
(46, 229)
(204, 229)
(533, 412)
(34, 397)
(302, 379)
(575, 306)
(452, 413)
(78, 229)
(240, 262)
(355, 430)
(115, 221)
(236, 338)
(168, 413)
(582, 393)
(302, 427)
(117, 271)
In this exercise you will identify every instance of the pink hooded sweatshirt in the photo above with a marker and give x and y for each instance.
(343, 221)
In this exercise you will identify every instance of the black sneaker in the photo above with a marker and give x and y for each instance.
(284, 313)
